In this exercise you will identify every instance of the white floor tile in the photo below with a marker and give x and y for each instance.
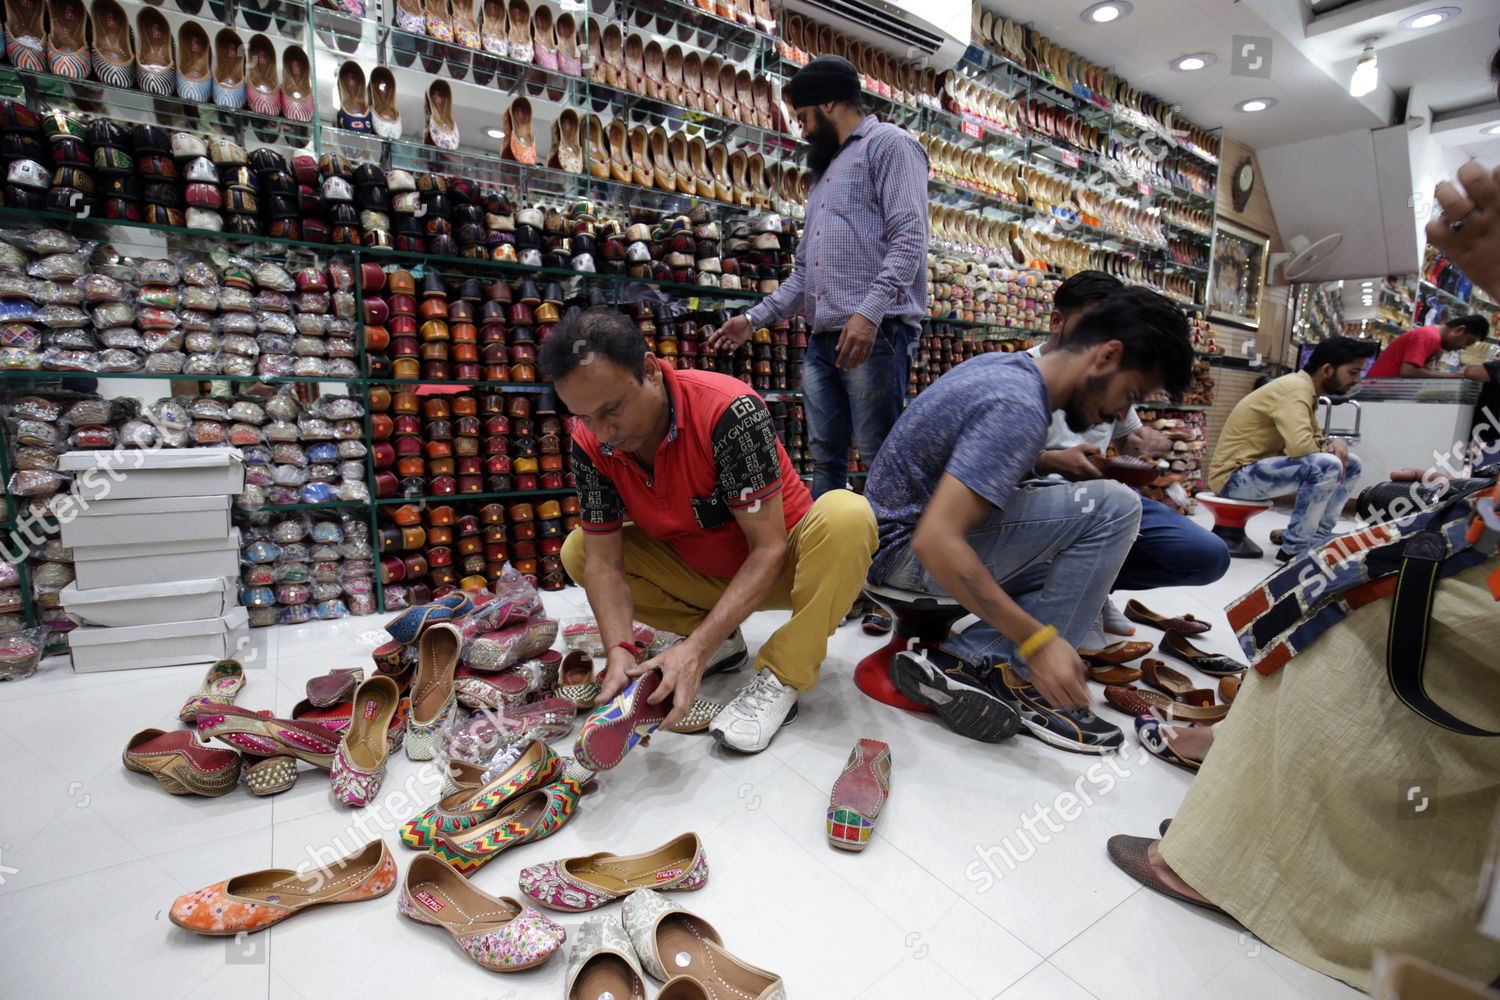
(958, 896)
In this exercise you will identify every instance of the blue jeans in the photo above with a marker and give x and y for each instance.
(861, 405)
(1171, 551)
(1080, 532)
(1320, 482)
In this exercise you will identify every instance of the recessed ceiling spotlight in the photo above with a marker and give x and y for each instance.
(1429, 18)
(1256, 104)
(1194, 62)
(1105, 13)
(1492, 130)
(495, 133)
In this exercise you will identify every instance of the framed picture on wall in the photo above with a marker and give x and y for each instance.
(1237, 275)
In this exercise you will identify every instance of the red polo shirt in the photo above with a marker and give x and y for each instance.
(1417, 346)
(720, 455)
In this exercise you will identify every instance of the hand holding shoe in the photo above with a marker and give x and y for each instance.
(681, 669)
(729, 336)
(1058, 674)
(620, 668)
(855, 342)
(1071, 463)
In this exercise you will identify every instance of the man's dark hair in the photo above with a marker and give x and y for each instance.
(588, 335)
(1339, 351)
(1084, 289)
(1475, 324)
(1152, 329)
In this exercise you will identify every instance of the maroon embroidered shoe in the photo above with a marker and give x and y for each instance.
(858, 795)
(181, 764)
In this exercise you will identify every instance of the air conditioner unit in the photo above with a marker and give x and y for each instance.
(932, 33)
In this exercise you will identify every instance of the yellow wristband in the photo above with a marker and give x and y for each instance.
(1038, 639)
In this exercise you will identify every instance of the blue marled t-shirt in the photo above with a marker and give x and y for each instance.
(985, 422)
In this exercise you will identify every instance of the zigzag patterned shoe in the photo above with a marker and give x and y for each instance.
(614, 730)
(536, 765)
(575, 885)
(498, 933)
(536, 815)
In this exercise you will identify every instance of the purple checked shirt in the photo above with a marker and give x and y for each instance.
(864, 242)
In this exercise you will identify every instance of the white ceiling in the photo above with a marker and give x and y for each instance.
(1312, 57)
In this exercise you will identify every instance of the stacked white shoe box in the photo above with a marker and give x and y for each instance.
(156, 558)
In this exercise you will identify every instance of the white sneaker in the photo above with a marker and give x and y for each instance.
(1114, 620)
(729, 656)
(761, 708)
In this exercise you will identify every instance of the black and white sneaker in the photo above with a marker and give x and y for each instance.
(958, 692)
(730, 655)
(1076, 729)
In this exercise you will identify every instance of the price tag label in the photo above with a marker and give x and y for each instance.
(1143, 188)
(1071, 159)
(972, 129)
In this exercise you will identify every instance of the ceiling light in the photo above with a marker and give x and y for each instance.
(1492, 130)
(1366, 72)
(1104, 13)
(1194, 62)
(495, 133)
(1429, 18)
(1256, 104)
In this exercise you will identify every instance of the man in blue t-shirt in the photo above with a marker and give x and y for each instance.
(957, 516)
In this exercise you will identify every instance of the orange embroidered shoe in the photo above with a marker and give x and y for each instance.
(527, 766)
(534, 816)
(858, 795)
(253, 902)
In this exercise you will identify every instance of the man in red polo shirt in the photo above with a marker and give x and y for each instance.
(692, 519)
(1408, 354)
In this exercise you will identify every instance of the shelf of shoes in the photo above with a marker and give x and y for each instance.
(993, 302)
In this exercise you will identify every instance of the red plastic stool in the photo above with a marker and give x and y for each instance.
(920, 620)
(1229, 522)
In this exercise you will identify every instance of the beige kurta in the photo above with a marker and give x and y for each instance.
(1300, 825)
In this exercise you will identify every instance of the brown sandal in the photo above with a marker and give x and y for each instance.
(1130, 856)
(1185, 624)
(1135, 702)
(1115, 654)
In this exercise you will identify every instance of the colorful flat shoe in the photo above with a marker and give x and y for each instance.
(615, 729)
(359, 765)
(1114, 675)
(535, 815)
(512, 645)
(225, 679)
(1182, 624)
(858, 794)
(253, 902)
(664, 934)
(575, 885)
(433, 701)
(487, 732)
(335, 686)
(1115, 653)
(409, 625)
(181, 764)
(337, 718)
(1148, 730)
(1209, 663)
(535, 765)
(699, 717)
(602, 963)
(271, 775)
(262, 736)
(498, 933)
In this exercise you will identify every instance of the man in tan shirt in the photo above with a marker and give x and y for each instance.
(1271, 447)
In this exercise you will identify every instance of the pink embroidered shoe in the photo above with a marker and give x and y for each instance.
(509, 645)
(253, 902)
(536, 815)
(225, 679)
(858, 795)
(535, 765)
(181, 764)
(337, 718)
(262, 736)
(498, 933)
(483, 735)
(575, 885)
(359, 765)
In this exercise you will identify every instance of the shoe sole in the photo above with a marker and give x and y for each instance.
(601, 747)
(967, 712)
(723, 740)
(1050, 738)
